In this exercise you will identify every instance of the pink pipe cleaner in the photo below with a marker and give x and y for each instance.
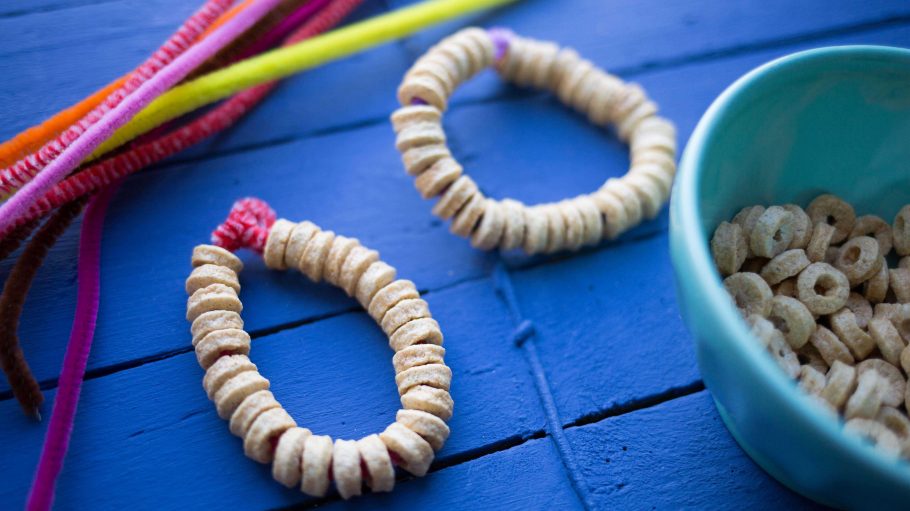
(57, 440)
(73, 155)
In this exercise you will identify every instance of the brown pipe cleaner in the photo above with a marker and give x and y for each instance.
(12, 360)
(14, 240)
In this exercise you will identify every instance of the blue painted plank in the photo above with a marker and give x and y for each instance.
(676, 455)
(154, 423)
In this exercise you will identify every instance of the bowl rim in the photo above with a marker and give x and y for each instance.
(698, 261)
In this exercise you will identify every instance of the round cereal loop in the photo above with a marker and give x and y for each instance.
(899, 282)
(893, 382)
(772, 233)
(210, 321)
(830, 347)
(346, 468)
(338, 254)
(266, 428)
(747, 218)
(810, 356)
(861, 308)
(728, 246)
(430, 400)
(887, 339)
(858, 259)
(905, 359)
(834, 211)
(900, 316)
(784, 355)
(876, 288)
(751, 293)
(379, 473)
(432, 375)
(300, 236)
(811, 380)
(223, 370)
(357, 262)
(212, 254)
(601, 97)
(416, 332)
(885, 441)
(762, 329)
(793, 319)
(430, 427)
(860, 343)
(214, 297)
(841, 381)
(802, 226)
(899, 424)
(235, 390)
(231, 341)
(377, 276)
(207, 274)
(419, 355)
(785, 265)
(403, 312)
(867, 398)
(250, 408)
(900, 231)
(286, 467)
(822, 288)
(413, 451)
(820, 242)
(871, 225)
(312, 261)
(390, 295)
(276, 243)
(316, 465)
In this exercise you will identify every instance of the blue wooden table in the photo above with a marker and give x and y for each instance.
(602, 407)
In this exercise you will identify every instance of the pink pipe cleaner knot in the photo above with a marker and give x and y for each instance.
(247, 226)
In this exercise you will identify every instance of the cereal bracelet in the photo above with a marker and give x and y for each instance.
(242, 396)
(507, 224)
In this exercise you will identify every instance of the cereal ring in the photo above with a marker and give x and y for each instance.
(591, 218)
(871, 225)
(858, 259)
(430, 427)
(223, 370)
(425, 88)
(899, 281)
(286, 465)
(419, 355)
(207, 274)
(762, 329)
(430, 400)
(413, 451)
(468, 215)
(423, 330)
(575, 226)
(250, 408)
(613, 212)
(898, 423)
(888, 311)
(413, 114)
(421, 134)
(843, 323)
(861, 308)
(377, 276)
(358, 260)
(887, 339)
(379, 474)
(784, 355)
(389, 296)
(317, 461)
(905, 359)
(346, 468)
(211, 298)
(893, 382)
(747, 218)
(793, 319)
(819, 243)
(276, 244)
(341, 247)
(885, 441)
(728, 246)
(810, 356)
(231, 341)
(312, 260)
(830, 347)
(772, 233)
(834, 211)
(811, 380)
(802, 226)
(403, 312)
(212, 254)
(750, 292)
(841, 381)
(900, 316)
(513, 233)
(867, 398)
(490, 228)
(536, 232)
(876, 288)
(235, 390)
(785, 265)
(434, 180)
(822, 288)
(266, 428)
(900, 231)
(418, 159)
(455, 196)
(556, 228)
(432, 375)
(210, 321)
(300, 236)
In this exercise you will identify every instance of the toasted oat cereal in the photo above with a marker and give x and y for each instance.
(820, 242)
(750, 292)
(346, 468)
(772, 233)
(268, 426)
(491, 226)
(357, 262)
(811, 380)
(212, 254)
(250, 408)
(859, 259)
(810, 356)
(206, 274)
(300, 236)
(893, 382)
(785, 265)
(861, 308)
(312, 260)
(896, 421)
(316, 464)
(377, 276)
(389, 296)
(216, 344)
(334, 260)
(784, 355)
(286, 467)
(802, 226)
(900, 231)
(793, 319)
(403, 312)
(211, 298)
(728, 245)
(834, 211)
(454, 197)
(468, 216)
(431, 375)
(235, 390)
(430, 400)
(415, 453)
(223, 370)
(276, 244)
(379, 472)
(830, 347)
(416, 332)
(841, 381)
(210, 321)
(434, 180)
(867, 398)
(885, 441)
(430, 427)
(418, 355)
(887, 339)
(822, 288)
(843, 323)
(876, 288)
(871, 225)
(899, 282)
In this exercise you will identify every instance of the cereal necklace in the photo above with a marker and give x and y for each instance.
(617, 206)
(241, 395)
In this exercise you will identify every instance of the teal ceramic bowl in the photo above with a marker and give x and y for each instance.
(828, 120)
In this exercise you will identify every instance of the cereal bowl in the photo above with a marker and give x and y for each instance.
(832, 120)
